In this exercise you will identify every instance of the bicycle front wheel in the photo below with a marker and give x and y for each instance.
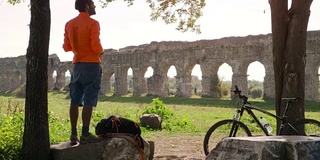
(222, 130)
(304, 127)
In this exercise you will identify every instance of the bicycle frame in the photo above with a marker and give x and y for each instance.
(249, 108)
(245, 105)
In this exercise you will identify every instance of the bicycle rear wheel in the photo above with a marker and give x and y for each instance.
(304, 127)
(222, 130)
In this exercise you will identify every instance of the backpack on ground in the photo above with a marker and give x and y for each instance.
(116, 126)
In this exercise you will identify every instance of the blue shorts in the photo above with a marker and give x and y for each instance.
(85, 84)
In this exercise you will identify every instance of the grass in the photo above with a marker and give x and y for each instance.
(191, 116)
(200, 113)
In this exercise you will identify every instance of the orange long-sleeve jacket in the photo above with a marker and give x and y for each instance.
(82, 38)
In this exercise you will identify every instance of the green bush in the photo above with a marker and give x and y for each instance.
(225, 89)
(158, 107)
(11, 130)
(256, 93)
(169, 121)
(11, 133)
(255, 89)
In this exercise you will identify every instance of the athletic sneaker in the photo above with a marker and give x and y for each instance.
(89, 139)
(74, 139)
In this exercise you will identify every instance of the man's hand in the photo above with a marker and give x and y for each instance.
(101, 54)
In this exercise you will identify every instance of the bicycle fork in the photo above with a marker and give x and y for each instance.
(235, 125)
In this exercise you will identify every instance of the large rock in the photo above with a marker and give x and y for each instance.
(267, 148)
(151, 121)
(107, 149)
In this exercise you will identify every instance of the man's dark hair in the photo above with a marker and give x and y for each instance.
(80, 5)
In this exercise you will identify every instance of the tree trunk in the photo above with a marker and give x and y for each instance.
(36, 143)
(289, 31)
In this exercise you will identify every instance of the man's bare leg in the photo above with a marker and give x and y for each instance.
(86, 118)
(74, 113)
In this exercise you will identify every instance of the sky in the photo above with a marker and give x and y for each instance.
(123, 26)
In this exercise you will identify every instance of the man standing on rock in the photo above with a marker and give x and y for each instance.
(82, 38)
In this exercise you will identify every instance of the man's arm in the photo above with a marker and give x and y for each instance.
(95, 40)
(66, 42)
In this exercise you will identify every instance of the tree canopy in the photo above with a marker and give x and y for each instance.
(185, 13)
(13, 2)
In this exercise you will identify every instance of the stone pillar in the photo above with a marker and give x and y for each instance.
(121, 85)
(239, 76)
(311, 78)
(210, 80)
(205, 82)
(60, 80)
(23, 77)
(16, 79)
(11, 81)
(184, 85)
(157, 85)
(210, 86)
(139, 82)
(268, 81)
(7, 82)
(2, 84)
(241, 80)
(215, 90)
(51, 80)
(158, 82)
(311, 89)
(269, 86)
(105, 83)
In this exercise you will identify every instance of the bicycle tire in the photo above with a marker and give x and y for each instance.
(225, 131)
(310, 127)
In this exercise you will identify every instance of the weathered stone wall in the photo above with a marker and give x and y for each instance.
(267, 148)
(238, 52)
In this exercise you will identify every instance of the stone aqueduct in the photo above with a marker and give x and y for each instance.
(238, 52)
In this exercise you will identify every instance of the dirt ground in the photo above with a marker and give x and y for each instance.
(185, 147)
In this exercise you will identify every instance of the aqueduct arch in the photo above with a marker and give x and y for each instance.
(238, 52)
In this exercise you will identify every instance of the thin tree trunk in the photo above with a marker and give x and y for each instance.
(36, 143)
(289, 31)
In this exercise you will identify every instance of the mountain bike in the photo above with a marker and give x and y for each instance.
(234, 127)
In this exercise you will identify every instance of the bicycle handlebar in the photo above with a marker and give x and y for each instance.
(243, 97)
(236, 91)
